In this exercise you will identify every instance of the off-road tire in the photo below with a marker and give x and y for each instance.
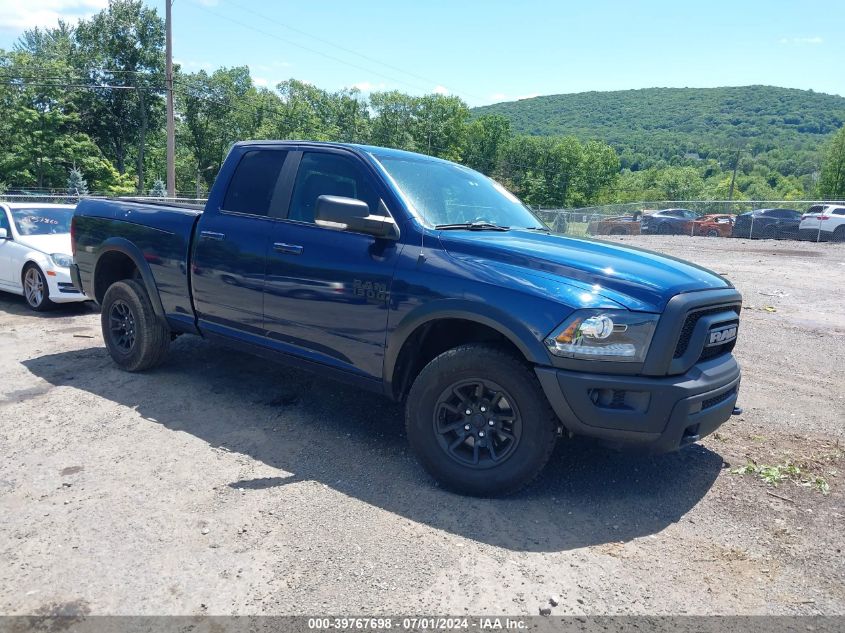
(539, 425)
(150, 338)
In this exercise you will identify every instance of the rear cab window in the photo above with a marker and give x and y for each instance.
(253, 189)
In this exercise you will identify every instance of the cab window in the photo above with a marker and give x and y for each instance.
(253, 184)
(324, 174)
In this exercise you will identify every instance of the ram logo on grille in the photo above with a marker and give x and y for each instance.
(721, 335)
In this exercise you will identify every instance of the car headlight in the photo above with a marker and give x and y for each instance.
(61, 260)
(602, 335)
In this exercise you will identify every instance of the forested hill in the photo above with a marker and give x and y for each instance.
(665, 122)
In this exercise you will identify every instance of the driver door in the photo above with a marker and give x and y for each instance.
(326, 292)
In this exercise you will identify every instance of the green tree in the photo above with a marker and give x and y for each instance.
(440, 125)
(486, 137)
(352, 116)
(680, 183)
(832, 179)
(597, 170)
(159, 189)
(76, 184)
(40, 137)
(306, 112)
(219, 109)
(122, 46)
(393, 120)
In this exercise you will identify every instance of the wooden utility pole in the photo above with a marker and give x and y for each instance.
(171, 123)
(733, 177)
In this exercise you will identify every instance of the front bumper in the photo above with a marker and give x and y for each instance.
(659, 414)
(61, 286)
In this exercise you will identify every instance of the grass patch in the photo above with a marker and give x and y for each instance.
(773, 475)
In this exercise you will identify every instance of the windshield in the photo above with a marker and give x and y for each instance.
(445, 193)
(43, 221)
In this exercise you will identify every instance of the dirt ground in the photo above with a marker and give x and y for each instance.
(224, 484)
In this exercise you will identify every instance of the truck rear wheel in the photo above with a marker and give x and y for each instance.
(135, 338)
(479, 422)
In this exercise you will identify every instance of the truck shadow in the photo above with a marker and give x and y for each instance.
(355, 443)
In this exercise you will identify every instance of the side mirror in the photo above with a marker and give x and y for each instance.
(4, 234)
(349, 214)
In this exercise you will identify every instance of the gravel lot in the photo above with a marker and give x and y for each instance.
(224, 484)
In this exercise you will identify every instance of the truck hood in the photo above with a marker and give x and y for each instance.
(635, 278)
(56, 243)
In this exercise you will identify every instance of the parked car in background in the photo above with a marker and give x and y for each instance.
(620, 225)
(668, 222)
(714, 225)
(823, 223)
(35, 253)
(767, 224)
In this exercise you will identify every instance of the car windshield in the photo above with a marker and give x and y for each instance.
(42, 221)
(448, 194)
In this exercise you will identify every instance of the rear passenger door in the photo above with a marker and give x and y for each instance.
(230, 252)
(327, 291)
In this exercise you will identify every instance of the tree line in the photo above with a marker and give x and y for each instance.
(89, 99)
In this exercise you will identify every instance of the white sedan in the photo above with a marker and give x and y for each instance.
(35, 253)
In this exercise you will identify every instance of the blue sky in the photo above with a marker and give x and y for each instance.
(496, 50)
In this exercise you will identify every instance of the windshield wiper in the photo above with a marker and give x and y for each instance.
(535, 228)
(472, 226)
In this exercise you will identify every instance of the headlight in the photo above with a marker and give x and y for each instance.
(600, 335)
(61, 260)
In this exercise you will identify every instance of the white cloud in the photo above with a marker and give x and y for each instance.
(208, 3)
(19, 15)
(799, 41)
(440, 90)
(261, 82)
(528, 96)
(498, 96)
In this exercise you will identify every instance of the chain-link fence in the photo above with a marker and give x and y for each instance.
(707, 218)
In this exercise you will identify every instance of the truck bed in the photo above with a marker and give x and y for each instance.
(159, 234)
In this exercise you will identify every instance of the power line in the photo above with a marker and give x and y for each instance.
(307, 48)
(70, 86)
(339, 47)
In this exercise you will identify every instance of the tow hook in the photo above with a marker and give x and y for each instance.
(737, 411)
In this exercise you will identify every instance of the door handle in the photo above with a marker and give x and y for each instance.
(290, 249)
(211, 235)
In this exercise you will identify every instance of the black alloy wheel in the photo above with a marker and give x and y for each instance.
(477, 423)
(122, 325)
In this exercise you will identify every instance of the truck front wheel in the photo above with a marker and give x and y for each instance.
(479, 422)
(136, 340)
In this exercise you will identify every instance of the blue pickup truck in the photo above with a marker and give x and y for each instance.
(429, 283)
